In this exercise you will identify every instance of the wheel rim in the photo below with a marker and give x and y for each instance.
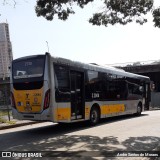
(94, 116)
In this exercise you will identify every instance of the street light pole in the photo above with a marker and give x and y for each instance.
(47, 46)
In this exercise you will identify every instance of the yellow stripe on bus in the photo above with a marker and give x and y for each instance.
(112, 108)
(63, 113)
(87, 112)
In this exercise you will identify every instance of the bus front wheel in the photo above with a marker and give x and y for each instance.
(94, 116)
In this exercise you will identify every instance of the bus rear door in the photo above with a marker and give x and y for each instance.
(77, 95)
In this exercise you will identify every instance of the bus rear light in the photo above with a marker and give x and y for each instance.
(46, 99)
(13, 104)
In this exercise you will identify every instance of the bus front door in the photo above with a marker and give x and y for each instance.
(77, 95)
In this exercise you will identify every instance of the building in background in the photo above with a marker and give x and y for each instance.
(5, 51)
(150, 69)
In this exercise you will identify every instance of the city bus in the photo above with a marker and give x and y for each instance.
(46, 88)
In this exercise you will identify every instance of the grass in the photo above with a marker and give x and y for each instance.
(5, 113)
(4, 117)
(7, 121)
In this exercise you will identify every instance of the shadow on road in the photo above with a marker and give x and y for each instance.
(51, 138)
(120, 118)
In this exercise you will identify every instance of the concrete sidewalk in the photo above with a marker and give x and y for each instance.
(7, 122)
(16, 123)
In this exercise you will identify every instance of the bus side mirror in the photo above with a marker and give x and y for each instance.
(152, 86)
(141, 89)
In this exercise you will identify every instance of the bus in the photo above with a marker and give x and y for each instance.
(46, 88)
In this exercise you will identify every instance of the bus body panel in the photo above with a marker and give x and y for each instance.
(115, 108)
(29, 103)
(63, 112)
(73, 102)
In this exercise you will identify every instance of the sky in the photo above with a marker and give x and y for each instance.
(76, 39)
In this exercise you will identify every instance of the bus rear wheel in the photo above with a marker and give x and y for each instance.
(94, 116)
(139, 110)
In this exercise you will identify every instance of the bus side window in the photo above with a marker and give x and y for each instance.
(62, 83)
(122, 89)
(133, 88)
(110, 87)
(88, 94)
(90, 89)
(115, 87)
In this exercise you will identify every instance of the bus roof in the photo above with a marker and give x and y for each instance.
(100, 68)
(91, 66)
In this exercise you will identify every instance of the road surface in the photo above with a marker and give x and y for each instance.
(125, 133)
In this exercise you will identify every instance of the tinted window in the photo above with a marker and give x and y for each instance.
(103, 86)
(62, 83)
(61, 77)
(134, 89)
(28, 85)
(92, 78)
(33, 67)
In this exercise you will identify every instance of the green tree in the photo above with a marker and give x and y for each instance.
(115, 11)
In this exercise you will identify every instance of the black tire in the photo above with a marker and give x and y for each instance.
(94, 116)
(139, 110)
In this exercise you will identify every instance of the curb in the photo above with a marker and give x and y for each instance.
(17, 125)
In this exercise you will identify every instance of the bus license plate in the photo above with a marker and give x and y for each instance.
(28, 109)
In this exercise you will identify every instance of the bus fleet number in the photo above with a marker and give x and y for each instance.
(95, 95)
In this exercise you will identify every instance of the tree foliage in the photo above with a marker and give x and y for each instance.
(62, 8)
(113, 12)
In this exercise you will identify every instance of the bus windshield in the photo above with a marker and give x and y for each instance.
(28, 68)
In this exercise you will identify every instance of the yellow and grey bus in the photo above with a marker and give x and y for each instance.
(46, 88)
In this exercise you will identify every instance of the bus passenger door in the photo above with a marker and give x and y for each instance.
(77, 95)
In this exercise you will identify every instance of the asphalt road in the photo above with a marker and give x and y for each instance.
(125, 133)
